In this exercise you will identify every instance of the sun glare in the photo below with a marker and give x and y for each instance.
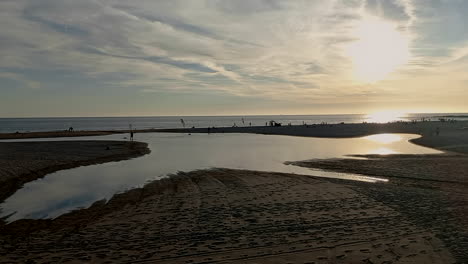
(378, 50)
(385, 116)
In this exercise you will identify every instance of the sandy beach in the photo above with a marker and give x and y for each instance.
(453, 136)
(237, 216)
(230, 216)
(429, 189)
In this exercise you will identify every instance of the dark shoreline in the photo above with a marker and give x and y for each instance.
(452, 136)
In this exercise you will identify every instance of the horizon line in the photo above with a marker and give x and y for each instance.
(236, 115)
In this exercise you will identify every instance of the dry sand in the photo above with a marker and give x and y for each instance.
(229, 216)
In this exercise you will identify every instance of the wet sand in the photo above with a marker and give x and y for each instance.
(56, 134)
(431, 190)
(21, 162)
(230, 216)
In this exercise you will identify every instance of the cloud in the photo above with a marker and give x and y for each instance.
(178, 38)
(391, 10)
(22, 81)
(187, 65)
(78, 31)
(247, 7)
(291, 50)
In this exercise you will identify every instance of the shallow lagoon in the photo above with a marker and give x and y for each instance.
(62, 191)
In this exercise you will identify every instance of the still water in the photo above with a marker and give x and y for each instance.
(62, 191)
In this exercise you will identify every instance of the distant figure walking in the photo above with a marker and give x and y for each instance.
(130, 128)
(437, 131)
(183, 122)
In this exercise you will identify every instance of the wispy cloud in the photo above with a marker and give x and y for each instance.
(275, 50)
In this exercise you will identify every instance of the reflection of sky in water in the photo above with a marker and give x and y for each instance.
(66, 190)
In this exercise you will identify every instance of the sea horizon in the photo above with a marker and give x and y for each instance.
(231, 115)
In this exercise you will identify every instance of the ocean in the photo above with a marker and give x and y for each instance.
(11, 125)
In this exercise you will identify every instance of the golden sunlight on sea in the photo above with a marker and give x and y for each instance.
(385, 116)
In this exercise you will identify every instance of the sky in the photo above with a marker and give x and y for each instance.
(231, 57)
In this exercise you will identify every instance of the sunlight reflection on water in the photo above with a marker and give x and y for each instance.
(383, 151)
(384, 138)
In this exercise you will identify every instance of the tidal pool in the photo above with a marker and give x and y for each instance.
(66, 190)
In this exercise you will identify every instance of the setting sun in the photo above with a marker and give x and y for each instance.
(378, 50)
